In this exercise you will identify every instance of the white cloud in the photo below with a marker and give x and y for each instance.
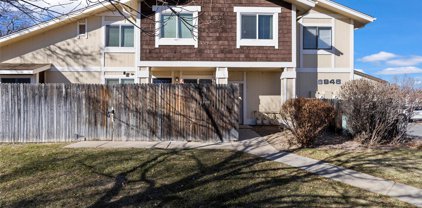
(412, 61)
(360, 70)
(378, 57)
(400, 70)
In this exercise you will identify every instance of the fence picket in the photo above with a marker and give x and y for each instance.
(70, 112)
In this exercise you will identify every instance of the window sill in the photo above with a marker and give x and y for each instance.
(177, 42)
(244, 42)
(319, 52)
(120, 49)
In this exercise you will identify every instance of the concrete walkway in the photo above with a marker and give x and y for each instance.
(257, 146)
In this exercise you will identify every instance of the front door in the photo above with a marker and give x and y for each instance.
(242, 101)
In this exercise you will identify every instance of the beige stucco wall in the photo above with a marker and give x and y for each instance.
(336, 64)
(317, 61)
(342, 41)
(309, 86)
(73, 77)
(119, 59)
(59, 46)
(317, 20)
(260, 85)
(236, 76)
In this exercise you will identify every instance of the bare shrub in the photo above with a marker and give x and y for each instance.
(306, 119)
(374, 111)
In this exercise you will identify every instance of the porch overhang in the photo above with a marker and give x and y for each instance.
(22, 69)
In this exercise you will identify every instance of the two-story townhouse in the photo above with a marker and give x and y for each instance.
(274, 49)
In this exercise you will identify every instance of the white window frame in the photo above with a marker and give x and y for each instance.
(198, 77)
(114, 48)
(275, 11)
(160, 10)
(317, 51)
(82, 22)
(120, 78)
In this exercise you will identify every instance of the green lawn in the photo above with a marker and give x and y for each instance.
(50, 176)
(400, 165)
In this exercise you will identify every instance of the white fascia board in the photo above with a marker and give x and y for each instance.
(17, 72)
(215, 64)
(73, 15)
(341, 8)
(307, 4)
(25, 72)
(257, 9)
(179, 9)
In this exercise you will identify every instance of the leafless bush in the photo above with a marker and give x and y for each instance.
(306, 119)
(375, 111)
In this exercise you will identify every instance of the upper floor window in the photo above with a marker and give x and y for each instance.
(82, 28)
(257, 26)
(317, 38)
(180, 26)
(119, 36)
(176, 25)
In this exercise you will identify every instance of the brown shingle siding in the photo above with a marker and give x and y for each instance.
(217, 36)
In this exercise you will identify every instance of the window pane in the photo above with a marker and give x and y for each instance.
(168, 26)
(82, 29)
(112, 36)
(128, 81)
(324, 38)
(16, 80)
(112, 81)
(205, 81)
(162, 81)
(248, 27)
(265, 27)
(190, 81)
(127, 36)
(310, 38)
(185, 25)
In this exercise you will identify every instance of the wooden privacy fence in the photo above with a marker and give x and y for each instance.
(71, 112)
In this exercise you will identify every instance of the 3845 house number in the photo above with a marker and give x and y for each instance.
(329, 81)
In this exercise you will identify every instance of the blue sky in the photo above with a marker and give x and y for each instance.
(392, 45)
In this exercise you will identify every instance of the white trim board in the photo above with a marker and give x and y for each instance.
(323, 70)
(25, 72)
(77, 69)
(274, 11)
(215, 64)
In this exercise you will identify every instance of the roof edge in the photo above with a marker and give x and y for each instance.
(362, 74)
(73, 15)
(360, 16)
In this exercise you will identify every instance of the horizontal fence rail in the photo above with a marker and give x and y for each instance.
(72, 112)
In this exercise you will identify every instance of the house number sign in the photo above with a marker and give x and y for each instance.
(329, 81)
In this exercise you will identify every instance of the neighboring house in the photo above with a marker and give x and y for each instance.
(362, 75)
(274, 49)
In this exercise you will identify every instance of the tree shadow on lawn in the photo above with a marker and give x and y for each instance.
(399, 165)
(200, 178)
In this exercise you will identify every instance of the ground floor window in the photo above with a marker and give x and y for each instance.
(197, 81)
(115, 81)
(15, 80)
(162, 80)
